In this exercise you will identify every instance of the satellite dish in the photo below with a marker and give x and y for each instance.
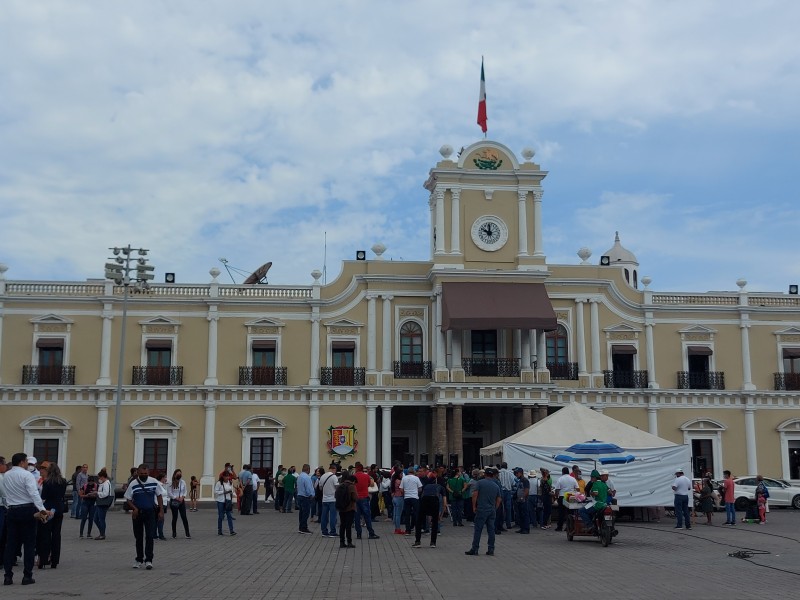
(259, 275)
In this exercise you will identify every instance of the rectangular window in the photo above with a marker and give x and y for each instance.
(263, 354)
(261, 454)
(484, 344)
(791, 360)
(155, 456)
(343, 354)
(45, 449)
(159, 357)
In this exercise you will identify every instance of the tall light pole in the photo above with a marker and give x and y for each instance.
(126, 270)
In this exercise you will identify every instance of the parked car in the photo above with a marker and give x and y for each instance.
(781, 493)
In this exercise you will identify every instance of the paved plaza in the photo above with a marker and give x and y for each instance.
(269, 559)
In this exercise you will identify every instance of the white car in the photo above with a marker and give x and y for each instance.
(781, 493)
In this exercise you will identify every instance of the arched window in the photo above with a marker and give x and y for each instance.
(411, 342)
(557, 348)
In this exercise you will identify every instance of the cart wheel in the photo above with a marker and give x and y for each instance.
(605, 536)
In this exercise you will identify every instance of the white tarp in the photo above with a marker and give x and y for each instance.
(644, 482)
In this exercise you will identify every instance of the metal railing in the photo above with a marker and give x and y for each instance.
(412, 370)
(625, 379)
(157, 376)
(38, 375)
(787, 381)
(342, 375)
(703, 380)
(567, 370)
(491, 367)
(262, 375)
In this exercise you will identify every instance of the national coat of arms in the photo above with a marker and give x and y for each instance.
(342, 440)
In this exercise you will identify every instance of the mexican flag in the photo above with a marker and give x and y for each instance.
(482, 102)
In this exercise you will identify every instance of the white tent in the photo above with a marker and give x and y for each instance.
(646, 481)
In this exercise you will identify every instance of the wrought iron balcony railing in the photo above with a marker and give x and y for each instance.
(262, 375)
(563, 370)
(404, 369)
(708, 380)
(342, 375)
(787, 381)
(157, 376)
(491, 367)
(625, 379)
(39, 375)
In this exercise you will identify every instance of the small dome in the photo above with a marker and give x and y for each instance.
(618, 254)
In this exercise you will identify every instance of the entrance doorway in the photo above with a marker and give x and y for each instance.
(401, 451)
(472, 452)
(702, 457)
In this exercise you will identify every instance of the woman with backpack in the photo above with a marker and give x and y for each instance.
(105, 498)
(346, 498)
(88, 500)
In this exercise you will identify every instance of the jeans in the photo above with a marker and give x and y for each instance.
(507, 507)
(279, 498)
(483, 518)
(534, 512)
(346, 526)
(397, 511)
(457, 511)
(388, 503)
(304, 506)
(730, 512)
(246, 500)
(255, 502)
(523, 519)
(181, 510)
(160, 528)
(221, 514)
(587, 515)
(327, 519)
(682, 510)
(87, 513)
(363, 509)
(288, 497)
(428, 507)
(48, 540)
(21, 530)
(144, 529)
(100, 518)
(75, 509)
(410, 509)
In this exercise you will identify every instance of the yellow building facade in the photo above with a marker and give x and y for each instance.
(411, 361)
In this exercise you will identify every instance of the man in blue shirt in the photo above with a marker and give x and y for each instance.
(486, 499)
(144, 498)
(305, 494)
(246, 481)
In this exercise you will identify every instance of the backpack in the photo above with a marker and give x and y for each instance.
(764, 490)
(342, 497)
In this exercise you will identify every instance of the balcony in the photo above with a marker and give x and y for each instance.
(625, 379)
(37, 375)
(412, 370)
(157, 376)
(787, 381)
(563, 370)
(342, 375)
(491, 367)
(262, 375)
(701, 380)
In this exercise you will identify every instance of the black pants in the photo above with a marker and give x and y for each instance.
(144, 530)
(410, 510)
(247, 500)
(346, 526)
(562, 512)
(428, 507)
(48, 540)
(279, 499)
(21, 529)
(181, 510)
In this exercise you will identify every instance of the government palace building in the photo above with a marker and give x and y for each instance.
(421, 362)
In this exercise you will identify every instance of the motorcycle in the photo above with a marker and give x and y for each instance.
(603, 524)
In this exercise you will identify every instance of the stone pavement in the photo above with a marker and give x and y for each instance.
(269, 559)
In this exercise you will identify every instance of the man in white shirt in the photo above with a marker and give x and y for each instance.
(256, 484)
(682, 486)
(24, 506)
(411, 486)
(327, 518)
(566, 483)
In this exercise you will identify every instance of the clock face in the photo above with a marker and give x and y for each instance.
(489, 233)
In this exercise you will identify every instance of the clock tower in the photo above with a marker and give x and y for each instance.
(486, 209)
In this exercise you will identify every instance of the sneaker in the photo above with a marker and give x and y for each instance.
(148, 565)
(373, 536)
(433, 545)
(490, 553)
(137, 565)
(333, 534)
(471, 553)
(233, 533)
(416, 545)
(351, 545)
(305, 531)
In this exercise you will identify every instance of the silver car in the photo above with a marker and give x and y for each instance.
(781, 493)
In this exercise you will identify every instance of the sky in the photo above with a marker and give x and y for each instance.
(206, 130)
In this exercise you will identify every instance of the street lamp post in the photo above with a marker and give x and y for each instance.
(126, 270)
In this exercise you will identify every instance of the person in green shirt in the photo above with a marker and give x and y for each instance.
(289, 487)
(599, 492)
(455, 491)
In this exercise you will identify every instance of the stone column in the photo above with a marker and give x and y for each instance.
(525, 349)
(105, 346)
(651, 355)
(527, 417)
(440, 431)
(439, 194)
(458, 433)
(208, 441)
(313, 434)
(457, 369)
(522, 198)
(441, 358)
(372, 333)
(432, 208)
(386, 436)
(597, 368)
(516, 343)
(455, 221)
(386, 357)
(213, 318)
(537, 222)
(541, 354)
(747, 378)
(750, 438)
(101, 447)
(372, 438)
(423, 418)
(652, 420)
(580, 334)
(314, 376)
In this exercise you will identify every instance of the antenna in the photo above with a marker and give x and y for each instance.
(325, 261)
(224, 262)
(259, 275)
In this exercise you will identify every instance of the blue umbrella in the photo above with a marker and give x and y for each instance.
(617, 460)
(595, 447)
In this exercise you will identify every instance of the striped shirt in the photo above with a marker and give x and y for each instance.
(143, 495)
(506, 479)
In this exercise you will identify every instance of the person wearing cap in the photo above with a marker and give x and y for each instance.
(612, 491)
(566, 484)
(682, 487)
(486, 499)
(522, 492)
(533, 498)
(599, 492)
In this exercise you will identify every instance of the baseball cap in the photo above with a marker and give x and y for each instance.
(518, 470)
(604, 472)
(533, 473)
(31, 460)
(679, 470)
